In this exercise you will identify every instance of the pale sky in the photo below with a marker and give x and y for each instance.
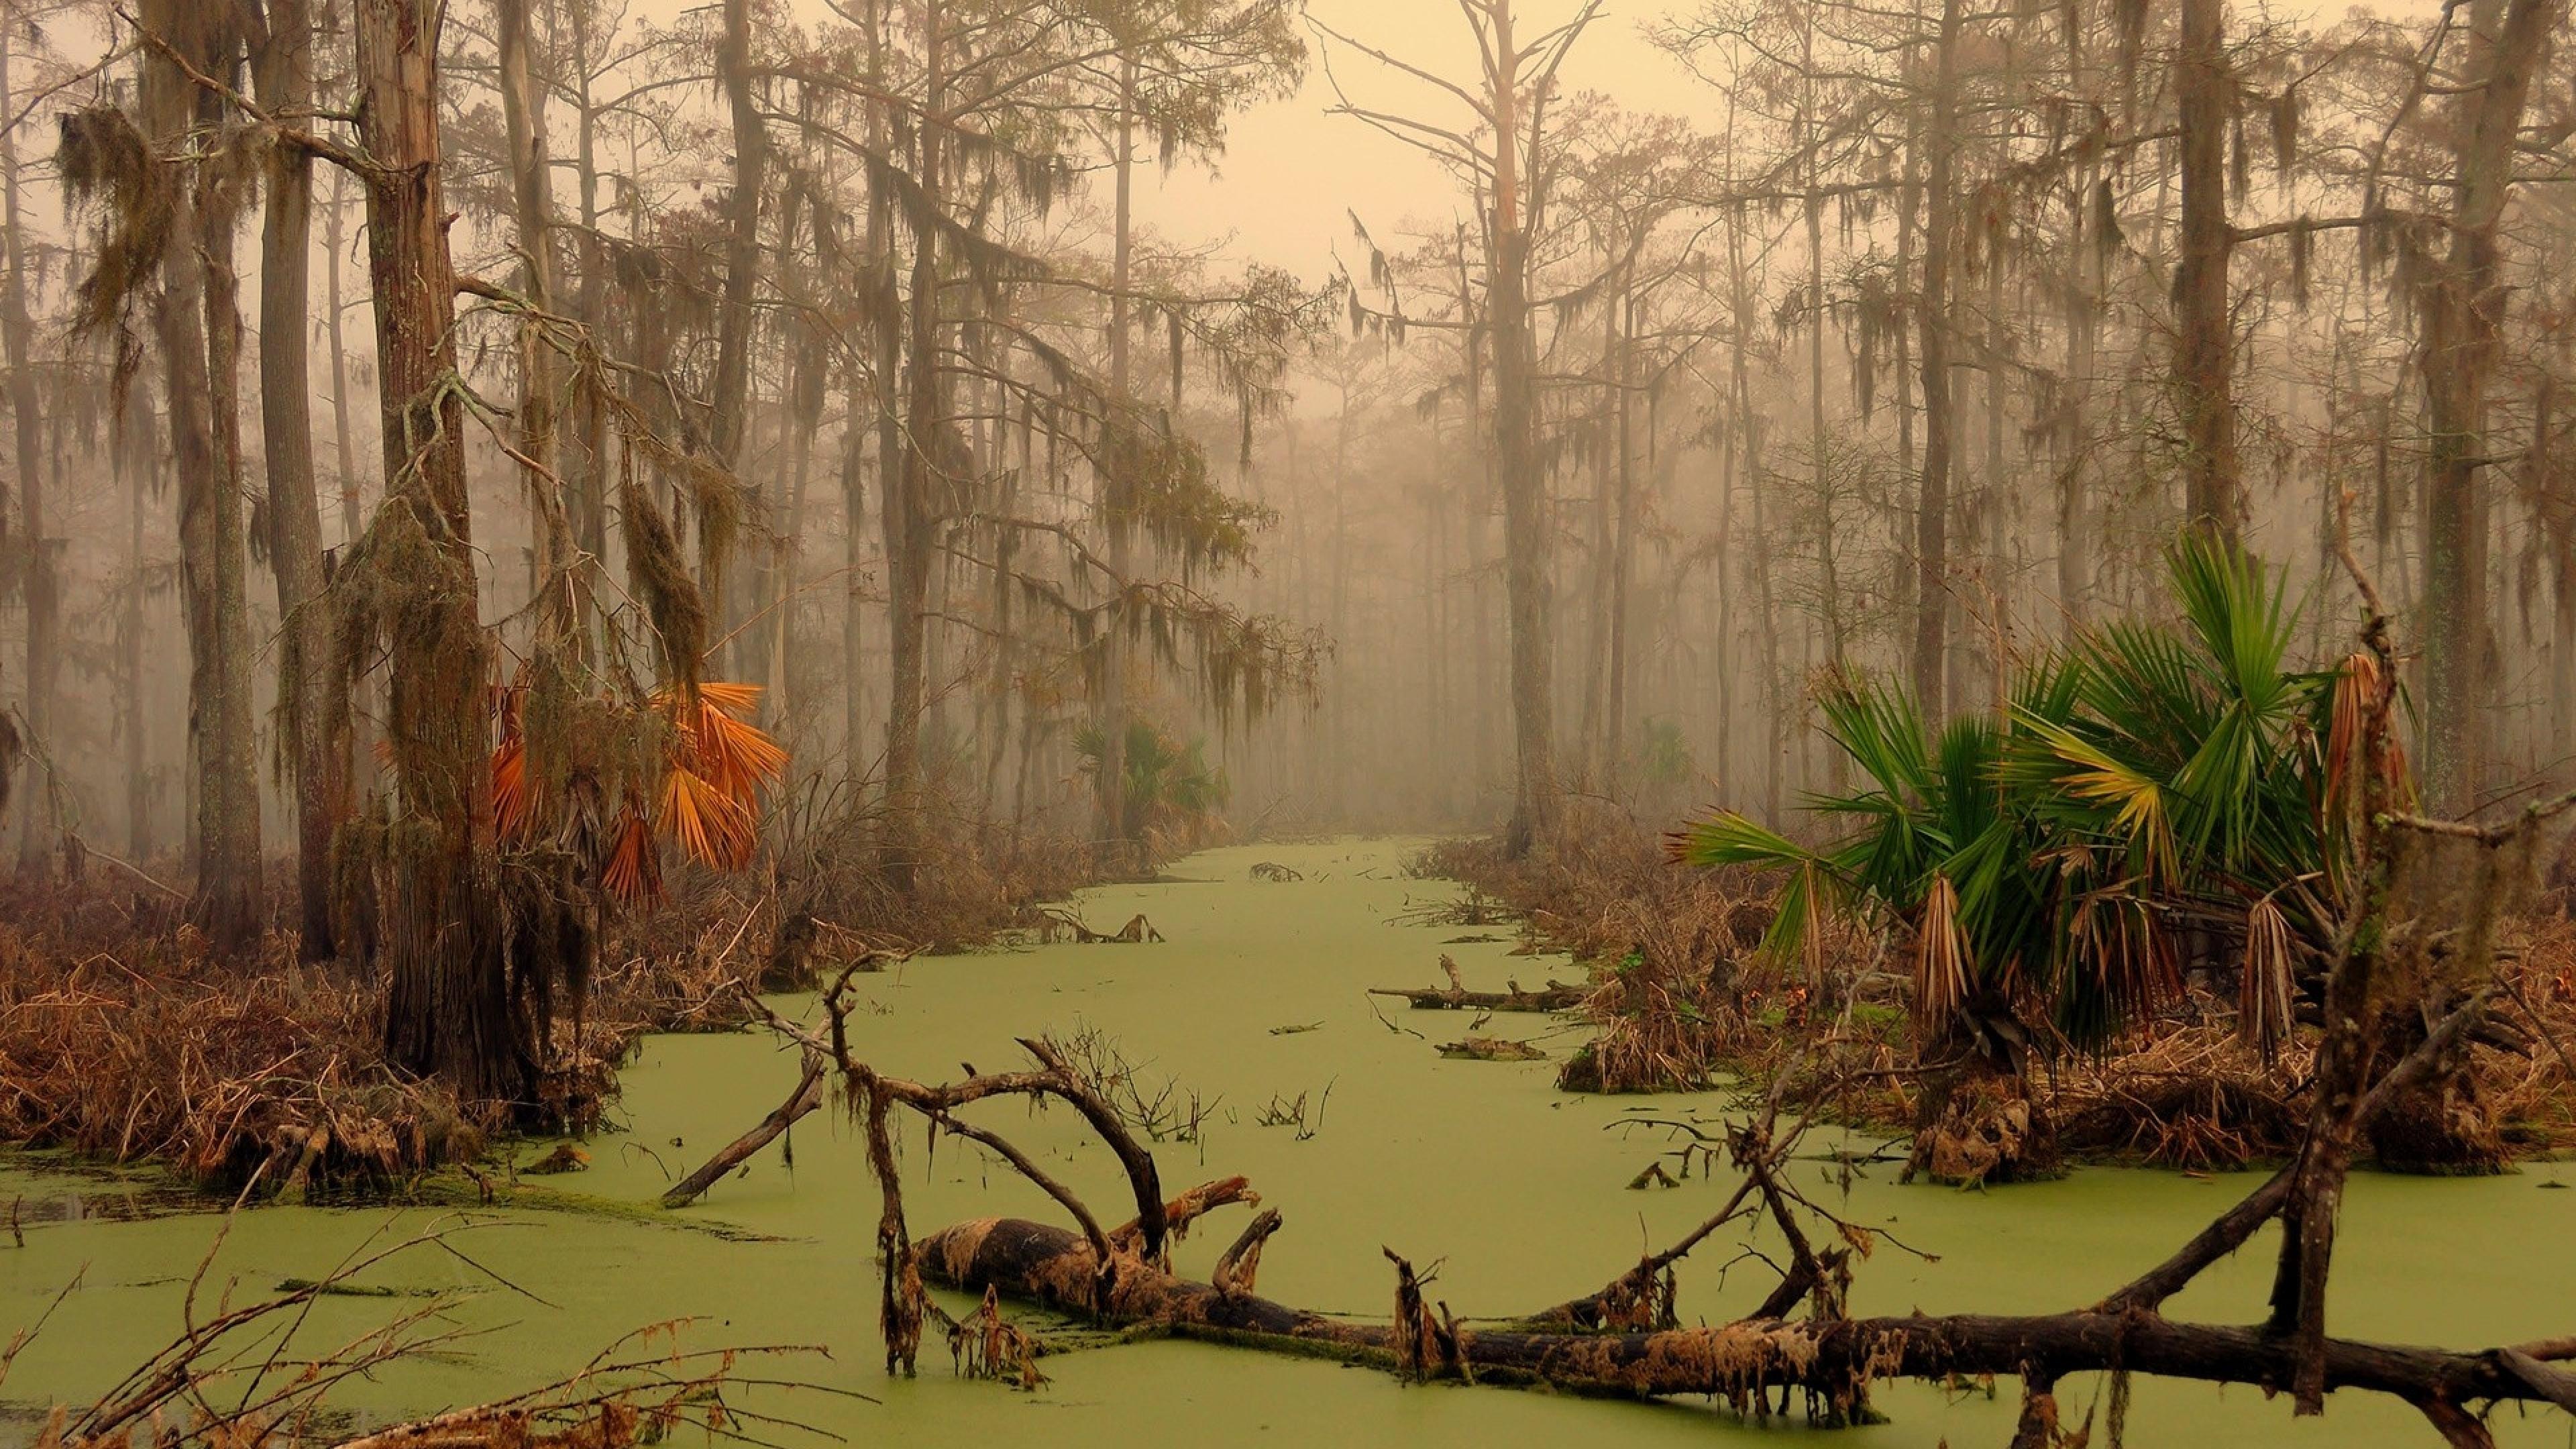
(1291, 173)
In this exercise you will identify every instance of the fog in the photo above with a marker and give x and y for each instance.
(1784, 348)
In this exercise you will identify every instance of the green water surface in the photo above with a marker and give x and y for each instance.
(1518, 1191)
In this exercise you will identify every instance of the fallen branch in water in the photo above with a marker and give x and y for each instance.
(1456, 997)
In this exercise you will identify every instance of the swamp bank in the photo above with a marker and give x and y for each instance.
(1518, 1190)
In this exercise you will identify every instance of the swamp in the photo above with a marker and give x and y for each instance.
(1495, 722)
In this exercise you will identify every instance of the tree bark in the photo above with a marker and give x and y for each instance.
(1932, 313)
(2463, 309)
(906, 507)
(36, 568)
(1110, 786)
(188, 316)
(1834, 1358)
(1525, 500)
(2204, 341)
(449, 1008)
(523, 117)
(283, 72)
(734, 322)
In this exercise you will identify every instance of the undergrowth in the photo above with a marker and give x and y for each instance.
(1682, 997)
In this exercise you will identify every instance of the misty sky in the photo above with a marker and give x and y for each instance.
(1291, 173)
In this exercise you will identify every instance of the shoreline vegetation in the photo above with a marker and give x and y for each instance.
(1682, 998)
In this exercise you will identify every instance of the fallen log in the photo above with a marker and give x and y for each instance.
(1557, 997)
(1456, 997)
(1833, 1360)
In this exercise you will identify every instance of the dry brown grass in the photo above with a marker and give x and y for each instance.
(124, 1039)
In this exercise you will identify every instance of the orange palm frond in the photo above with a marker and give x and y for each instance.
(513, 805)
(737, 758)
(710, 825)
(729, 696)
(634, 873)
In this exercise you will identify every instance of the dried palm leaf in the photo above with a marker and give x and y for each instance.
(1940, 959)
(2263, 993)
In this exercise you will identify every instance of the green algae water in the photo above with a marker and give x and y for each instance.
(1518, 1191)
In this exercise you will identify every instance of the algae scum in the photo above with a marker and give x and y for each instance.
(1519, 1190)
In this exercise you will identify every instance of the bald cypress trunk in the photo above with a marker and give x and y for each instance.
(532, 205)
(284, 73)
(450, 1009)
(734, 323)
(2204, 351)
(1932, 310)
(1525, 502)
(36, 573)
(195, 293)
(2463, 310)
(906, 508)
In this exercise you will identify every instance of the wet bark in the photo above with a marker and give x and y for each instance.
(1835, 1359)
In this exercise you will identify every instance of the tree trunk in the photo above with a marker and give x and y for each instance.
(284, 75)
(142, 457)
(1110, 785)
(449, 1009)
(1746, 1362)
(1525, 500)
(1623, 541)
(523, 118)
(906, 506)
(212, 556)
(36, 570)
(2463, 309)
(344, 442)
(1932, 312)
(2204, 341)
(734, 323)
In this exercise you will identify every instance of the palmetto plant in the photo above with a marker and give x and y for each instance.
(1170, 788)
(693, 770)
(2149, 786)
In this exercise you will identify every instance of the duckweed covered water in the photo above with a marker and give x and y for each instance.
(1518, 1190)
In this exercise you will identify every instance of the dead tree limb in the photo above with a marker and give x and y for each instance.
(800, 1103)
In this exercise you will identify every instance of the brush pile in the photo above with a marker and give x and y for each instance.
(1676, 987)
(124, 1038)
(129, 1043)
